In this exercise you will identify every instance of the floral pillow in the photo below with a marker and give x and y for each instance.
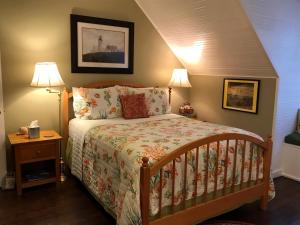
(159, 103)
(124, 90)
(92, 103)
(81, 103)
(157, 99)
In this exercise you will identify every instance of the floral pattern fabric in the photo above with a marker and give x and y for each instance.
(92, 103)
(124, 90)
(134, 106)
(159, 102)
(157, 99)
(113, 154)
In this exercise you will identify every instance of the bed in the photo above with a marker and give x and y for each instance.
(166, 169)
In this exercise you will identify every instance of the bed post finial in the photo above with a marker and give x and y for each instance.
(269, 138)
(170, 91)
(145, 162)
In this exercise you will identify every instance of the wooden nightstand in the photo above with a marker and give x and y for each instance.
(37, 160)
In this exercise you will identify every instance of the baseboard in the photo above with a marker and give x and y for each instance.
(291, 177)
(277, 173)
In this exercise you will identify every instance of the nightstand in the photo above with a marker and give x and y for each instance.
(36, 160)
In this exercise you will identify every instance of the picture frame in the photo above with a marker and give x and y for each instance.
(101, 45)
(298, 121)
(241, 95)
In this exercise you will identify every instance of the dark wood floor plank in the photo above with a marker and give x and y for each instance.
(284, 209)
(69, 203)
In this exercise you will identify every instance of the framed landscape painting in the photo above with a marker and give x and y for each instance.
(298, 121)
(241, 95)
(101, 45)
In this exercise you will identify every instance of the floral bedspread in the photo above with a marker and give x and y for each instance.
(112, 157)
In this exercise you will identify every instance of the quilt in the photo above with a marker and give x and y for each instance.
(112, 153)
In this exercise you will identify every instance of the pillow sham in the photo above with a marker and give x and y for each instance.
(81, 103)
(92, 103)
(159, 103)
(157, 99)
(124, 90)
(134, 106)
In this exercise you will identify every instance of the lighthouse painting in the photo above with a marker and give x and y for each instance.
(101, 45)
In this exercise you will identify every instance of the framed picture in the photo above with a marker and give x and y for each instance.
(101, 45)
(298, 121)
(241, 95)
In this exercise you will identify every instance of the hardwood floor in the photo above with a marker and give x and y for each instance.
(69, 203)
(284, 209)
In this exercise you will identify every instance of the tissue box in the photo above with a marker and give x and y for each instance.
(33, 132)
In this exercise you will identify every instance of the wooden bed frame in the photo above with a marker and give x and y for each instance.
(208, 205)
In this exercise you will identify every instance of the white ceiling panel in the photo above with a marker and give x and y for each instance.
(210, 37)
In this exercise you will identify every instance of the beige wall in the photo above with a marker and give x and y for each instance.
(33, 31)
(2, 133)
(206, 98)
(39, 31)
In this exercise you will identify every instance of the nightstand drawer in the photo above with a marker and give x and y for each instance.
(37, 151)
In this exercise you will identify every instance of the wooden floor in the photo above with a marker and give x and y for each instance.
(69, 203)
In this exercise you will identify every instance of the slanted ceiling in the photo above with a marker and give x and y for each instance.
(209, 37)
(276, 23)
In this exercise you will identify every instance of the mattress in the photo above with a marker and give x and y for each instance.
(107, 155)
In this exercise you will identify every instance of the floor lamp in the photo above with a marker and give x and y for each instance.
(46, 75)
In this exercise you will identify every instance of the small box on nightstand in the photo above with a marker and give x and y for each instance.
(33, 132)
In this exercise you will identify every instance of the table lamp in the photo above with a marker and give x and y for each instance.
(46, 75)
(179, 79)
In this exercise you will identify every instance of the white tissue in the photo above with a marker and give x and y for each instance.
(34, 123)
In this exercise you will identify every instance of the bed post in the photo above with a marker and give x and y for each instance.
(170, 92)
(267, 170)
(145, 191)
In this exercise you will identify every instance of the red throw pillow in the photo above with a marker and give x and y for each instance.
(134, 106)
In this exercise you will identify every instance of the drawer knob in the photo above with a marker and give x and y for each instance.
(38, 152)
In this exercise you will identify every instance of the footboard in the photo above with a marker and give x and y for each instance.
(199, 207)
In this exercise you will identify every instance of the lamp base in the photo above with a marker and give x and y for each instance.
(62, 177)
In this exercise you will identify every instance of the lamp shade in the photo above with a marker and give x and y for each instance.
(46, 75)
(179, 78)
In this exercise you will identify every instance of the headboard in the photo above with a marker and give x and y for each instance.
(68, 96)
